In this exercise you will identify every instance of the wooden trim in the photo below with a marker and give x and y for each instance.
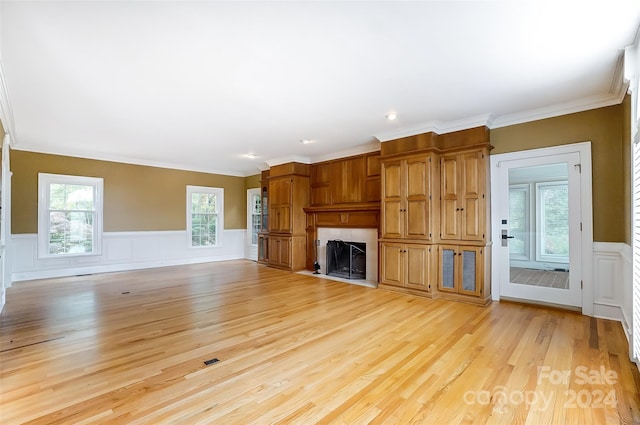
(290, 168)
(433, 142)
(347, 208)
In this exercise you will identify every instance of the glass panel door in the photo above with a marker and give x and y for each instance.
(540, 229)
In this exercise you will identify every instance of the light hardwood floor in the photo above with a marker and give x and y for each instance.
(129, 348)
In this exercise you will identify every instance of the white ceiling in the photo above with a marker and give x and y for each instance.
(197, 85)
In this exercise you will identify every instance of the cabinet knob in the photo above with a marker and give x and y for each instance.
(457, 209)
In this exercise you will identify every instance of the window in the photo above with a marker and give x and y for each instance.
(204, 216)
(539, 222)
(255, 217)
(69, 215)
(519, 221)
(553, 200)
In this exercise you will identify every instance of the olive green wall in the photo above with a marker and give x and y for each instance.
(603, 127)
(626, 167)
(252, 182)
(136, 198)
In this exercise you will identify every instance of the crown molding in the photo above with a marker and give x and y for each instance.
(619, 85)
(372, 146)
(6, 113)
(132, 161)
(580, 105)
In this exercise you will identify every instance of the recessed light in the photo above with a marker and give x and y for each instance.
(306, 141)
(391, 116)
(251, 155)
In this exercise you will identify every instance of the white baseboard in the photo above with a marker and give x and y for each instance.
(123, 251)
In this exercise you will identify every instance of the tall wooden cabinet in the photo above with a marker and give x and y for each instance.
(288, 196)
(407, 222)
(434, 215)
(407, 197)
(463, 195)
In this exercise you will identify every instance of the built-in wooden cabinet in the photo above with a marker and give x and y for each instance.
(434, 215)
(427, 194)
(463, 193)
(410, 266)
(407, 197)
(461, 270)
(288, 196)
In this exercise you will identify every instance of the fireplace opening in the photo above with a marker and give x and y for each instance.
(347, 259)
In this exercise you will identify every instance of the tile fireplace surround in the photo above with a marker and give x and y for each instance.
(368, 236)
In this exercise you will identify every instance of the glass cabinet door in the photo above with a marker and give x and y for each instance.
(470, 262)
(447, 269)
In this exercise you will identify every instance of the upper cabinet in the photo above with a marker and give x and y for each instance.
(407, 195)
(280, 204)
(463, 195)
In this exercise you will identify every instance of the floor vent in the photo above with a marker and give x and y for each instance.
(210, 362)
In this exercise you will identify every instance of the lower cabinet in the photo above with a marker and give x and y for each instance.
(461, 270)
(280, 251)
(407, 265)
(287, 252)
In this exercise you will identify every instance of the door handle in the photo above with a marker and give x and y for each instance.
(505, 237)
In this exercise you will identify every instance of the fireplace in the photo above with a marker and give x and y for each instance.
(347, 259)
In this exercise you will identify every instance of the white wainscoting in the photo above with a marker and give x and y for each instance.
(123, 251)
(612, 282)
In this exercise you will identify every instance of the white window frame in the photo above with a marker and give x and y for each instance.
(251, 215)
(219, 192)
(45, 181)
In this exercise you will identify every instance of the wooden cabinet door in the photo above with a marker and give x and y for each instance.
(274, 218)
(284, 218)
(280, 204)
(417, 214)
(285, 252)
(391, 264)
(392, 198)
(416, 266)
(461, 269)
(470, 270)
(450, 193)
(274, 251)
(274, 205)
(472, 207)
(280, 251)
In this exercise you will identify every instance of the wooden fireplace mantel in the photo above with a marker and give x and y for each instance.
(356, 216)
(365, 216)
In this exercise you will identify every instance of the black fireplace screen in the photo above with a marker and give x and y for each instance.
(347, 259)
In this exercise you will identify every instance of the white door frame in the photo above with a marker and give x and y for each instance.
(250, 251)
(5, 220)
(586, 208)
